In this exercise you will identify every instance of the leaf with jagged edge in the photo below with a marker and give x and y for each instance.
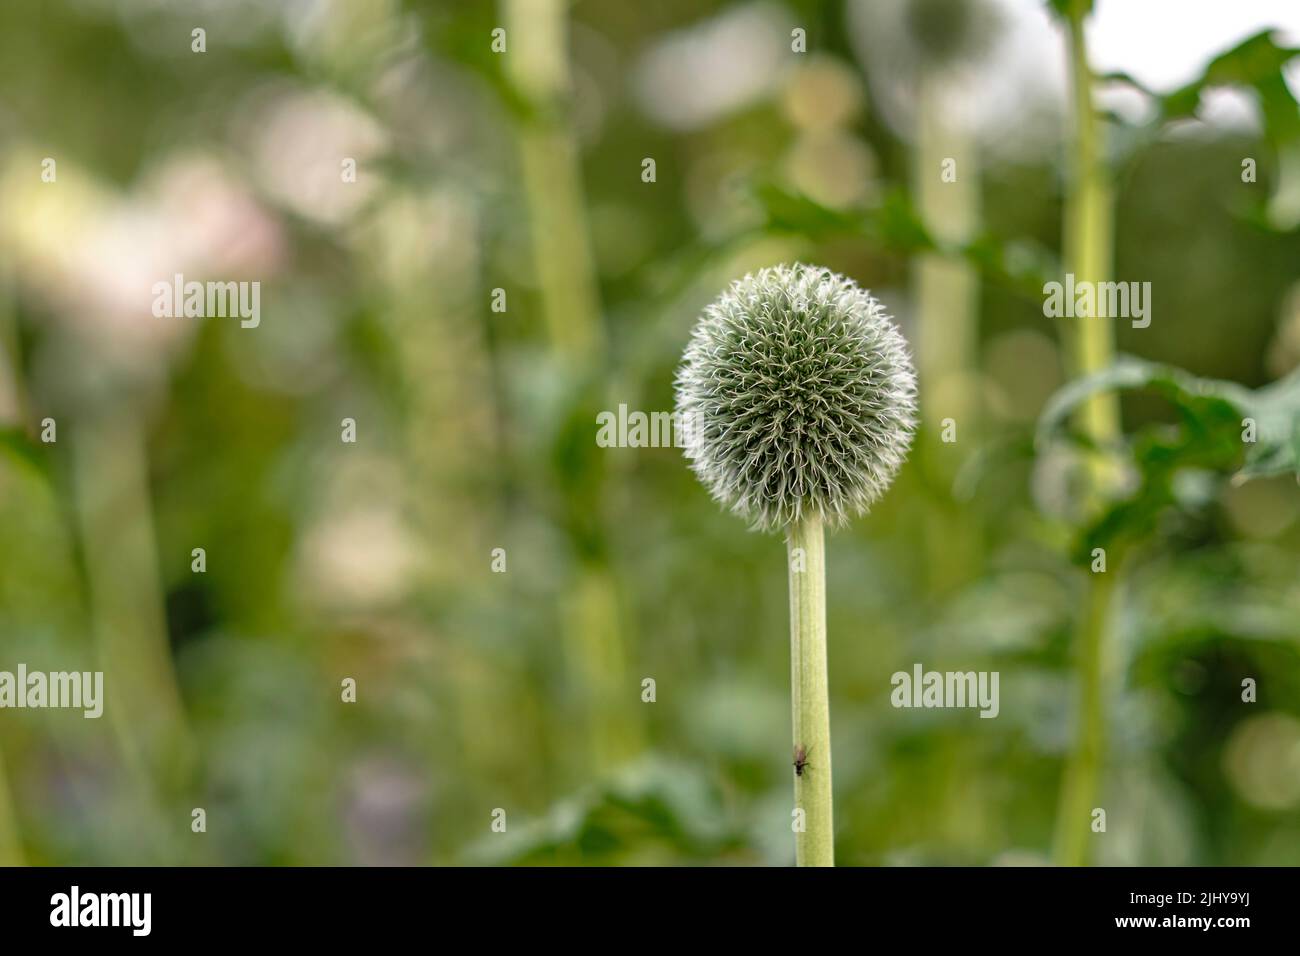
(1275, 408)
(1207, 439)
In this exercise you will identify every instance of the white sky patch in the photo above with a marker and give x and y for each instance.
(1231, 108)
(1124, 101)
(695, 76)
(1165, 44)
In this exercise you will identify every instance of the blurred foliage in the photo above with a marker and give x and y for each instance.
(521, 691)
(1222, 429)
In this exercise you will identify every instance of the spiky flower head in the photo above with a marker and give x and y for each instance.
(797, 396)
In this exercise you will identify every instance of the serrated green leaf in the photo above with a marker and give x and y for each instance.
(895, 225)
(1208, 438)
(1274, 408)
(1256, 62)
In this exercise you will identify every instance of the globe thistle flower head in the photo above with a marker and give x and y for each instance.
(798, 398)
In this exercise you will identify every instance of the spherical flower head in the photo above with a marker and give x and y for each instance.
(796, 397)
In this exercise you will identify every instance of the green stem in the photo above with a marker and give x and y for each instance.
(810, 697)
(538, 68)
(111, 486)
(595, 640)
(600, 638)
(1079, 786)
(1088, 249)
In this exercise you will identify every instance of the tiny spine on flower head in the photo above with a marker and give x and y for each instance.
(802, 397)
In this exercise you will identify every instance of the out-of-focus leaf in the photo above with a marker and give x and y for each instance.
(792, 211)
(1275, 409)
(650, 804)
(1209, 439)
(980, 464)
(1064, 7)
(16, 444)
(895, 226)
(1120, 76)
(1256, 62)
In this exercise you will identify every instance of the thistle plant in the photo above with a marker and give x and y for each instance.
(799, 398)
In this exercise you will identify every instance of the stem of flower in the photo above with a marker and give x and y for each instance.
(810, 698)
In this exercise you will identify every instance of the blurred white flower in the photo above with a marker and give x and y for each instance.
(359, 552)
(826, 93)
(93, 254)
(299, 141)
(833, 167)
(1002, 64)
(695, 76)
(1262, 761)
(345, 36)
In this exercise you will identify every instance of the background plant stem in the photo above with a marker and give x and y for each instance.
(1088, 249)
(1079, 788)
(116, 525)
(539, 70)
(598, 636)
(810, 697)
(947, 301)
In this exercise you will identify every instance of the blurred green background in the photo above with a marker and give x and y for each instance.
(523, 171)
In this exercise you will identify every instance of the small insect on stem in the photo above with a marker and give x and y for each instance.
(800, 760)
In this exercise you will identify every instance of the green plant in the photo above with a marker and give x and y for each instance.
(798, 399)
(1088, 252)
(597, 632)
(1089, 226)
(1223, 430)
